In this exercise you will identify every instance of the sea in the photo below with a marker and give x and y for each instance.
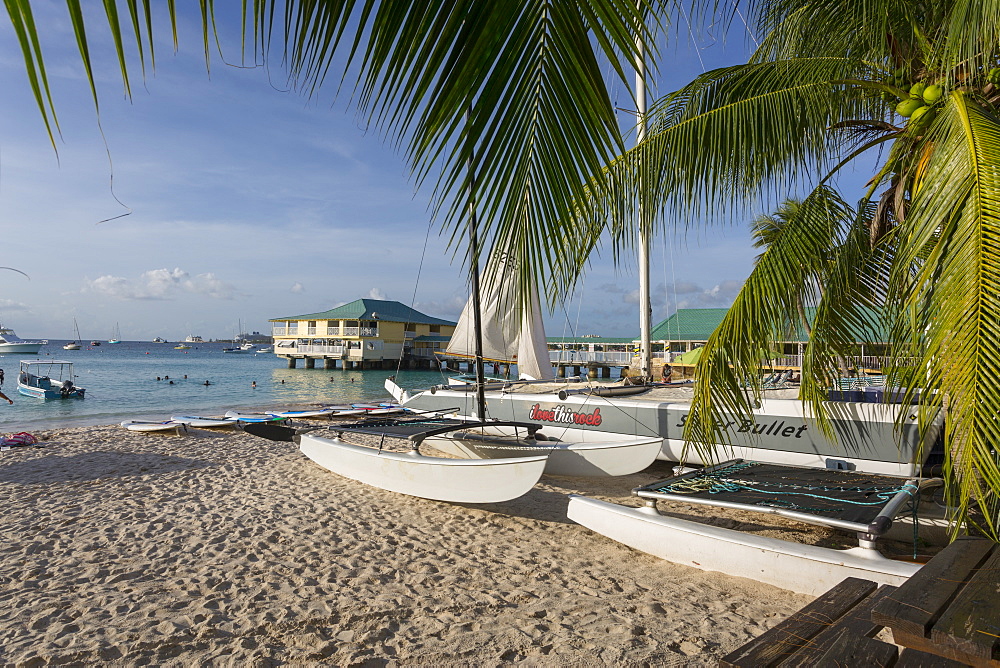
(121, 383)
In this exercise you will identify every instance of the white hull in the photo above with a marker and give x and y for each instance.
(436, 478)
(324, 412)
(780, 431)
(25, 348)
(141, 425)
(202, 422)
(806, 569)
(605, 457)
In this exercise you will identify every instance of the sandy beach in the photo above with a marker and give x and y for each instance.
(218, 547)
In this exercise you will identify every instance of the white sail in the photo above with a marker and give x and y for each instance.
(507, 336)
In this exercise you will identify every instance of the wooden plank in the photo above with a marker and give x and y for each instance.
(911, 658)
(919, 602)
(853, 650)
(923, 644)
(792, 634)
(971, 623)
(856, 622)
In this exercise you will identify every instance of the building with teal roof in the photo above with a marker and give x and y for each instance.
(365, 333)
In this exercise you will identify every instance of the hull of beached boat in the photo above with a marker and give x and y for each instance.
(780, 431)
(205, 422)
(806, 569)
(323, 412)
(595, 458)
(436, 478)
(144, 425)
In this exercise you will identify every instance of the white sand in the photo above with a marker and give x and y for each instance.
(222, 548)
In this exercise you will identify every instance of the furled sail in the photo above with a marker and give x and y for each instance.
(509, 334)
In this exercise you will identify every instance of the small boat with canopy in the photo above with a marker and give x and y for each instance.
(48, 379)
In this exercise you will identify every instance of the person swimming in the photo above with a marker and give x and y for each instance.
(206, 383)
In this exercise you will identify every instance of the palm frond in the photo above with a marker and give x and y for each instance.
(949, 271)
(785, 275)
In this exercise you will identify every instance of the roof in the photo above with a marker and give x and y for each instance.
(599, 340)
(697, 324)
(371, 309)
(689, 324)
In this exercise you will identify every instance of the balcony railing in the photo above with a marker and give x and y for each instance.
(277, 331)
(410, 334)
(351, 331)
(307, 349)
(333, 331)
(310, 331)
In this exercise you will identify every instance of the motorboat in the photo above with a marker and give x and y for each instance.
(12, 343)
(95, 343)
(182, 346)
(48, 379)
(159, 339)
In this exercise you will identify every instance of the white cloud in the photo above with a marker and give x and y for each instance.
(11, 305)
(158, 284)
(375, 293)
(297, 288)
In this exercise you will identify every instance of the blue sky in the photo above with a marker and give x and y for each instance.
(248, 202)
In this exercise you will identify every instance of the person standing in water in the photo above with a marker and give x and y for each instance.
(9, 400)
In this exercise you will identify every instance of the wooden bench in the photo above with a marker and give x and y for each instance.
(951, 607)
(834, 630)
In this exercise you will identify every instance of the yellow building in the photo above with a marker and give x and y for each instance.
(363, 334)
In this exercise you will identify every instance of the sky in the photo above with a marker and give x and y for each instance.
(246, 201)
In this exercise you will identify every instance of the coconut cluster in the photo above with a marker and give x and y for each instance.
(919, 105)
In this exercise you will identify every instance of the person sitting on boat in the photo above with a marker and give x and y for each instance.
(668, 371)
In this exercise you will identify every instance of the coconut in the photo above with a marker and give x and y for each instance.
(933, 93)
(907, 107)
(917, 90)
(921, 116)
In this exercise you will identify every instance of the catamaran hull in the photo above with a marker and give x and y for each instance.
(436, 478)
(805, 569)
(779, 432)
(604, 458)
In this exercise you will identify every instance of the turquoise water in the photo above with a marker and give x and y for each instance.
(121, 384)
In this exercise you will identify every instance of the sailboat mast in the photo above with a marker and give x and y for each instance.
(477, 322)
(645, 308)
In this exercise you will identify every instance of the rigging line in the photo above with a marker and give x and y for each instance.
(747, 27)
(416, 283)
(693, 40)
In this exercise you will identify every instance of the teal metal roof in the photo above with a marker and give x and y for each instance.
(689, 324)
(697, 324)
(371, 309)
(610, 340)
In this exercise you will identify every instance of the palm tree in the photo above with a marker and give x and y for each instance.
(832, 83)
(541, 123)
